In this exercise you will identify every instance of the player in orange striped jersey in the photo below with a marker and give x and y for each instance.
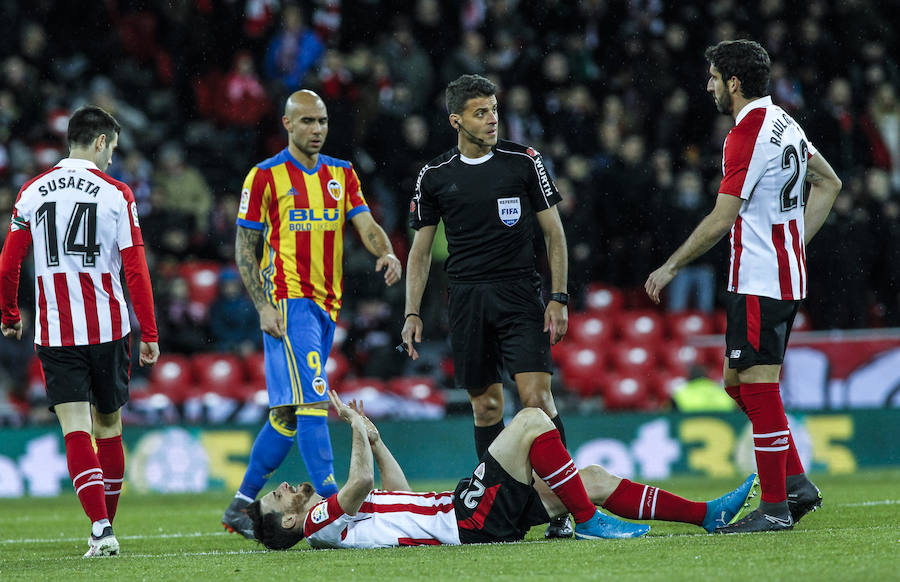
(298, 202)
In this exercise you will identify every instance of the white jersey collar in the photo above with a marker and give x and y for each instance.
(761, 102)
(77, 163)
(476, 161)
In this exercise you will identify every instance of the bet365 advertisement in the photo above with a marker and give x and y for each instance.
(181, 459)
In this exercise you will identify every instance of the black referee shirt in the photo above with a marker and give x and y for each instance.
(488, 209)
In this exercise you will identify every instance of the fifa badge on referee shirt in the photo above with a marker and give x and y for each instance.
(509, 210)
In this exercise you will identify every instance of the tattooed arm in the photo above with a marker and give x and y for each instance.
(270, 320)
(825, 186)
(378, 243)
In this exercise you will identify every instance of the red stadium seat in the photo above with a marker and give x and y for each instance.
(689, 323)
(626, 392)
(202, 278)
(219, 373)
(721, 321)
(677, 358)
(582, 370)
(602, 298)
(420, 388)
(171, 376)
(358, 386)
(336, 367)
(340, 335)
(802, 322)
(590, 329)
(713, 357)
(632, 360)
(255, 369)
(640, 327)
(664, 385)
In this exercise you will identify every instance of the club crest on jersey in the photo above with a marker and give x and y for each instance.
(412, 206)
(245, 201)
(319, 385)
(319, 513)
(531, 152)
(335, 189)
(134, 213)
(509, 210)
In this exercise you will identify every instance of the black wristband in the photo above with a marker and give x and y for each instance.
(408, 315)
(560, 298)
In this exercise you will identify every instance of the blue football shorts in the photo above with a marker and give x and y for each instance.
(295, 363)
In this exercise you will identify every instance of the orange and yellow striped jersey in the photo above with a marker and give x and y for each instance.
(302, 214)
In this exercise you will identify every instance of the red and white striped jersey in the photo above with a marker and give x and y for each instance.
(80, 219)
(764, 162)
(386, 519)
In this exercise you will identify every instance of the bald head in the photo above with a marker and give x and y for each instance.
(306, 122)
(301, 99)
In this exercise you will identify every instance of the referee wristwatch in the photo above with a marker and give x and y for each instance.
(562, 298)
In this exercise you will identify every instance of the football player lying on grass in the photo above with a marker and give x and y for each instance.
(500, 502)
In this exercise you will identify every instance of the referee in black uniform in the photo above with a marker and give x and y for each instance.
(489, 193)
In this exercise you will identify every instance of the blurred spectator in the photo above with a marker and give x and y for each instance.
(243, 101)
(835, 130)
(183, 187)
(840, 261)
(371, 340)
(233, 322)
(408, 63)
(134, 122)
(467, 59)
(683, 208)
(700, 394)
(222, 231)
(135, 170)
(521, 124)
(182, 323)
(881, 123)
(293, 51)
(166, 231)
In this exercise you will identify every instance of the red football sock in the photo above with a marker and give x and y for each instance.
(112, 461)
(794, 465)
(735, 393)
(771, 437)
(551, 461)
(638, 501)
(86, 474)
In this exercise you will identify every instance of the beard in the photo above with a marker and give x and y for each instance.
(724, 105)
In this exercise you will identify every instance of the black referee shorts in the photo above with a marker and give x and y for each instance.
(758, 329)
(497, 324)
(97, 374)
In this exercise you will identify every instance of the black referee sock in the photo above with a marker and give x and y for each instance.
(484, 436)
(557, 420)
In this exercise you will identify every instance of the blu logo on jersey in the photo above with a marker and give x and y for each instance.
(509, 210)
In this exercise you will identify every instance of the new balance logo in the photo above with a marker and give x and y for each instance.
(735, 354)
(453, 188)
(781, 441)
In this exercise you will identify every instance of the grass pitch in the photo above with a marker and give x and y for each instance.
(855, 536)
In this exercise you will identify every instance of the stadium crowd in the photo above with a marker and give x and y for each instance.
(611, 92)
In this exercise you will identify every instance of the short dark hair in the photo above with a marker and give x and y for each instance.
(268, 531)
(465, 88)
(745, 59)
(89, 122)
